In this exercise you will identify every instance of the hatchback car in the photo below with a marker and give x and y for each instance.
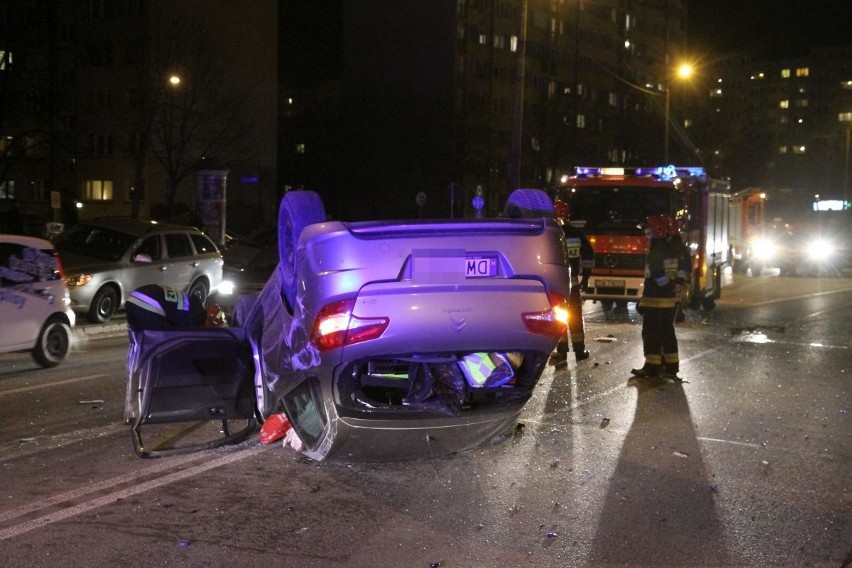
(35, 313)
(106, 259)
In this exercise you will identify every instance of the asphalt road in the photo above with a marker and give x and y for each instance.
(745, 463)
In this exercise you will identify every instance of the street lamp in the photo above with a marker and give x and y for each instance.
(684, 71)
(846, 118)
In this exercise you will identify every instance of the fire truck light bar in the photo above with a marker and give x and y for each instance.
(660, 172)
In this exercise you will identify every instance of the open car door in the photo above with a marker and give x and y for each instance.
(190, 376)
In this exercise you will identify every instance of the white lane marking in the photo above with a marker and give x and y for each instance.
(51, 518)
(51, 384)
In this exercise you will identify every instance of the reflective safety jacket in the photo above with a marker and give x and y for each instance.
(581, 255)
(661, 268)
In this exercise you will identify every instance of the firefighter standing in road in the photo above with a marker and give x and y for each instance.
(658, 304)
(684, 268)
(581, 258)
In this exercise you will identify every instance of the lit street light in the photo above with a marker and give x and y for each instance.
(684, 71)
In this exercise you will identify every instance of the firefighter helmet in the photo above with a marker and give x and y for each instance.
(658, 226)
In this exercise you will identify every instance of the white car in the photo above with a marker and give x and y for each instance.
(35, 307)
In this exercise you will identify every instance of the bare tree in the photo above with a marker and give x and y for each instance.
(193, 118)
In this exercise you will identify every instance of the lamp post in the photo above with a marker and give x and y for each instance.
(846, 118)
(683, 71)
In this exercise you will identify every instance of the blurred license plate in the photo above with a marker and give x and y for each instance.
(480, 266)
(609, 283)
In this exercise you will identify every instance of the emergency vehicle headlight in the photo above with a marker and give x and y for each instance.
(764, 248)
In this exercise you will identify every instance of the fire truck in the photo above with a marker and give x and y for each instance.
(750, 247)
(610, 204)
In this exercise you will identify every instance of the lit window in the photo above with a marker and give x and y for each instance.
(784, 119)
(5, 59)
(716, 93)
(803, 72)
(7, 189)
(613, 100)
(801, 103)
(798, 149)
(782, 149)
(784, 104)
(513, 43)
(300, 148)
(785, 73)
(483, 39)
(97, 190)
(581, 121)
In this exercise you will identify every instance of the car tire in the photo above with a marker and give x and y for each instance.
(54, 342)
(104, 305)
(199, 289)
(298, 210)
(528, 204)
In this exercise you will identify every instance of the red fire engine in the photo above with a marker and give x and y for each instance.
(609, 205)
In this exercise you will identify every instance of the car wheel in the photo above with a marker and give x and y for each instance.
(54, 341)
(528, 204)
(199, 290)
(103, 305)
(298, 210)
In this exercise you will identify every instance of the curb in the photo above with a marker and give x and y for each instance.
(86, 332)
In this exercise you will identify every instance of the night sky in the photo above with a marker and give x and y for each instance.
(768, 28)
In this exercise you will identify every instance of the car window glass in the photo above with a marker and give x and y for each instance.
(178, 245)
(20, 264)
(94, 241)
(151, 247)
(203, 245)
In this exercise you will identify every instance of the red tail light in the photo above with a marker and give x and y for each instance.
(58, 266)
(335, 326)
(553, 322)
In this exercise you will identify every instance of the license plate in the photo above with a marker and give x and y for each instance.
(480, 266)
(609, 283)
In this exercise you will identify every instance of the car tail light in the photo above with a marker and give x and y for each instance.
(553, 322)
(335, 326)
(59, 270)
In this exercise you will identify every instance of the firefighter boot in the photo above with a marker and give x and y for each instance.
(580, 352)
(646, 371)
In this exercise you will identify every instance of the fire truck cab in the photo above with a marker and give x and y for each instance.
(610, 205)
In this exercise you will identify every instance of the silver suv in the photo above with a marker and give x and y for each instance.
(106, 259)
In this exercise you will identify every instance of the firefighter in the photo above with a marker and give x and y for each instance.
(658, 303)
(684, 269)
(160, 307)
(581, 258)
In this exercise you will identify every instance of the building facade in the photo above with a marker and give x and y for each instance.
(473, 97)
(114, 105)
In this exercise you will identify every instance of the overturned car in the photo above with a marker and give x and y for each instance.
(378, 339)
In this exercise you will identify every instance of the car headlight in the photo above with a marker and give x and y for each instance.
(226, 287)
(76, 280)
(764, 249)
(821, 249)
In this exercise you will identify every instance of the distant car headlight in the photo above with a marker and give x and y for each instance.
(226, 287)
(764, 249)
(821, 249)
(77, 280)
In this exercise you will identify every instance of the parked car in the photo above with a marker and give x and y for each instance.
(35, 313)
(106, 259)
